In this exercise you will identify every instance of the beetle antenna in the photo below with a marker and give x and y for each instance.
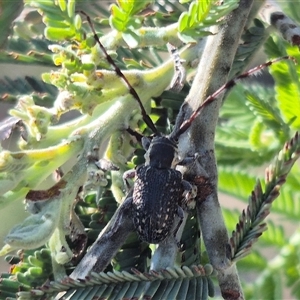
(227, 86)
(119, 73)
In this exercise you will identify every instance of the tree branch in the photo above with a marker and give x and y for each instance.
(216, 62)
(108, 242)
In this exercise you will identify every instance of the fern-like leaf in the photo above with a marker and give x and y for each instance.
(167, 284)
(250, 226)
(235, 182)
(11, 89)
(252, 38)
(9, 11)
(287, 87)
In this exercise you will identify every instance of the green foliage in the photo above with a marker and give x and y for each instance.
(11, 89)
(199, 16)
(177, 283)
(253, 38)
(123, 17)
(9, 11)
(30, 269)
(255, 121)
(287, 88)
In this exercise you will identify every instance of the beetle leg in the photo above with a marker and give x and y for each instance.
(189, 195)
(180, 225)
(189, 160)
(128, 175)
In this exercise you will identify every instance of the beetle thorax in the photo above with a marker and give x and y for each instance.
(162, 153)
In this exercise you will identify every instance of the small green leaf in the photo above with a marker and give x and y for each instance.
(201, 15)
(71, 8)
(88, 67)
(124, 16)
(126, 5)
(56, 23)
(59, 34)
(203, 9)
(116, 24)
(77, 21)
(35, 271)
(62, 5)
(183, 21)
(117, 13)
(134, 6)
(193, 14)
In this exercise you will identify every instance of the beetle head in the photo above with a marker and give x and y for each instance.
(162, 152)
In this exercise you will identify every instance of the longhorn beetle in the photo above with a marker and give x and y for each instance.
(157, 192)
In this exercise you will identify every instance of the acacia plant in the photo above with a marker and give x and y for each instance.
(79, 238)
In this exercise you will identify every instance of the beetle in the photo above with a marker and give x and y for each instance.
(159, 191)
